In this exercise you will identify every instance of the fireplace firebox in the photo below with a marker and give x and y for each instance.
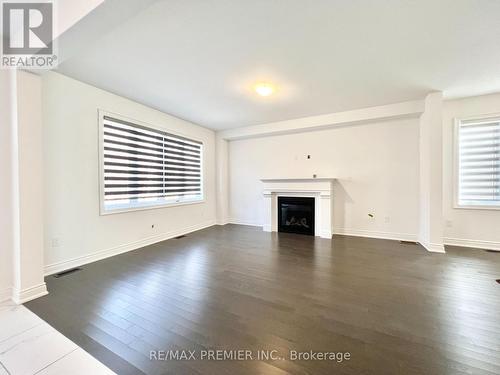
(296, 215)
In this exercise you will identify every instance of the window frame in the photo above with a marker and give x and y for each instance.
(456, 162)
(102, 209)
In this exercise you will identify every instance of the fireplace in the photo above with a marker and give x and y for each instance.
(320, 189)
(296, 215)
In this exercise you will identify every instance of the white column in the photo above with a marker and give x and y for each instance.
(27, 185)
(222, 176)
(326, 209)
(269, 212)
(6, 220)
(431, 172)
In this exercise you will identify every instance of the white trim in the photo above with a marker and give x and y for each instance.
(484, 116)
(375, 234)
(326, 234)
(324, 193)
(456, 148)
(344, 232)
(151, 207)
(456, 125)
(5, 294)
(106, 253)
(478, 244)
(475, 207)
(28, 294)
(409, 109)
(244, 222)
(433, 247)
(100, 121)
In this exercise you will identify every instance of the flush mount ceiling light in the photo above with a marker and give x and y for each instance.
(264, 89)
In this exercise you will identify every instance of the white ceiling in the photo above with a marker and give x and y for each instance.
(198, 59)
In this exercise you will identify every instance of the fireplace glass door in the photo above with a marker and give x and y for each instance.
(296, 215)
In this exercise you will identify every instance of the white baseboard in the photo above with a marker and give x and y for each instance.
(375, 234)
(5, 294)
(323, 234)
(243, 222)
(433, 247)
(479, 244)
(28, 294)
(326, 234)
(102, 254)
(342, 231)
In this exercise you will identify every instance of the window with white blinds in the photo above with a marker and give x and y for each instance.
(479, 163)
(143, 167)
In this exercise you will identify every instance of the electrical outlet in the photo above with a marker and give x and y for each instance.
(54, 242)
(387, 219)
(449, 223)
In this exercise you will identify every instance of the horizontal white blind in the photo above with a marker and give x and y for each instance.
(479, 162)
(144, 166)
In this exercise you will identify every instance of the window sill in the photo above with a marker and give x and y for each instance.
(476, 207)
(104, 212)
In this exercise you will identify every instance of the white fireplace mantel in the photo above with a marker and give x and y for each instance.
(320, 188)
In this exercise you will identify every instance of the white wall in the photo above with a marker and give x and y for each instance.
(467, 227)
(377, 166)
(74, 231)
(5, 186)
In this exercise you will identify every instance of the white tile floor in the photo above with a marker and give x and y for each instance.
(29, 346)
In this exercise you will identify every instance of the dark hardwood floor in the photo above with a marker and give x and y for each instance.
(395, 308)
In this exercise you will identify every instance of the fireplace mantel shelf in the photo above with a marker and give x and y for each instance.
(306, 179)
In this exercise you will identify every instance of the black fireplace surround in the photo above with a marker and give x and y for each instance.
(296, 215)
